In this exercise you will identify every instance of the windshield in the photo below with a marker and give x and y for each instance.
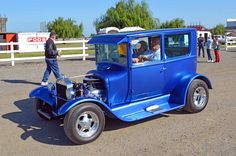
(112, 53)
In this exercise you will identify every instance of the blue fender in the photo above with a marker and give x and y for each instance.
(43, 94)
(179, 95)
(71, 104)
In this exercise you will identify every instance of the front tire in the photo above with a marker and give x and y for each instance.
(197, 96)
(84, 123)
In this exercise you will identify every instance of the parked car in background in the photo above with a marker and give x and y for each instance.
(119, 88)
(221, 38)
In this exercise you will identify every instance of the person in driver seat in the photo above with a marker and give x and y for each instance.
(154, 54)
(141, 48)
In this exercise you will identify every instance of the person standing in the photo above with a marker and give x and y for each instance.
(51, 54)
(208, 48)
(200, 42)
(216, 46)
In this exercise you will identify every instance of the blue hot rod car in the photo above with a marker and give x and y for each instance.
(128, 83)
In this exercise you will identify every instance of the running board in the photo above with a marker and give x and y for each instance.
(144, 113)
(153, 108)
(146, 108)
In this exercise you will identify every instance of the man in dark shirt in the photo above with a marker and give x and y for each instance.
(200, 42)
(51, 54)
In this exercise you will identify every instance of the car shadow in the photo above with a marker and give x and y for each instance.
(114, 124)
(27, 62)
(48, 132)
(202, 62)
(231, 50)
(21, 81)
(52, 132)
(176, 112)
(4, 65)
(80, 59)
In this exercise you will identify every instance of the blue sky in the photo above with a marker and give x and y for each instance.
(26, 15)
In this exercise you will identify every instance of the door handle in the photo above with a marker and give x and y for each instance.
(163, 69)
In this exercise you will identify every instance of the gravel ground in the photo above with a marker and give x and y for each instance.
(210, 132)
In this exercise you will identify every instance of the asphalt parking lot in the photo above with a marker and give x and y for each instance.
(210, 132)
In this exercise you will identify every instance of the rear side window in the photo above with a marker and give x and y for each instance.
(177, 45)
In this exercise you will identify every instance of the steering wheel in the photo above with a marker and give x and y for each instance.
(114, 55)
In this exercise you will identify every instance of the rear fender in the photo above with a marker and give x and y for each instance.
(71, 104)
(43, 94)
(179, 94)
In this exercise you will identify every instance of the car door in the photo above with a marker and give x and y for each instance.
(180, 58)
(147, 79)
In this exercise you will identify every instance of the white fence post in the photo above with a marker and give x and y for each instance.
(83, 49)
(12, 54)
(226, 43)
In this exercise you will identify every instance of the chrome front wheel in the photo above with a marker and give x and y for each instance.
(87, 124)
(84, 123)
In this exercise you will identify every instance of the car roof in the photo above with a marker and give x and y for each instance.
(117, 38)
(145, 32)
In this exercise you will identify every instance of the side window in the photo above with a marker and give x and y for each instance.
(177, 45)
(146, 49)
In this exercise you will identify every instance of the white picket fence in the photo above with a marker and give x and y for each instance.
(230, 42)
(12, 59)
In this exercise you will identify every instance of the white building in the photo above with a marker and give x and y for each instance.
(32, 41)
(202, 31)
(231, 23)
(205, 34)
(231, 27)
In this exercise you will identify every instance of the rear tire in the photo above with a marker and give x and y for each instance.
(84, 123)
(197, 96)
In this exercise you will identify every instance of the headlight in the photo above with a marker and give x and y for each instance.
(51, 86)
(70, 93)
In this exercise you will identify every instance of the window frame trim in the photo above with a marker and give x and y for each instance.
(176, 57)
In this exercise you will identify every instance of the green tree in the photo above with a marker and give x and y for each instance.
(66, 28)
(175, 23)
(126, 14)
(219, 29)
(92, 34)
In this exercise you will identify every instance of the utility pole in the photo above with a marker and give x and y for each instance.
(3, 24)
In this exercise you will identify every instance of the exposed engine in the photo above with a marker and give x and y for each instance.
(92, 86)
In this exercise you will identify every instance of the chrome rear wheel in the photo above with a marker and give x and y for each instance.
(197, 97)
(200, 97)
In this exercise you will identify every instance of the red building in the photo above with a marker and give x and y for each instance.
(7, 38)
